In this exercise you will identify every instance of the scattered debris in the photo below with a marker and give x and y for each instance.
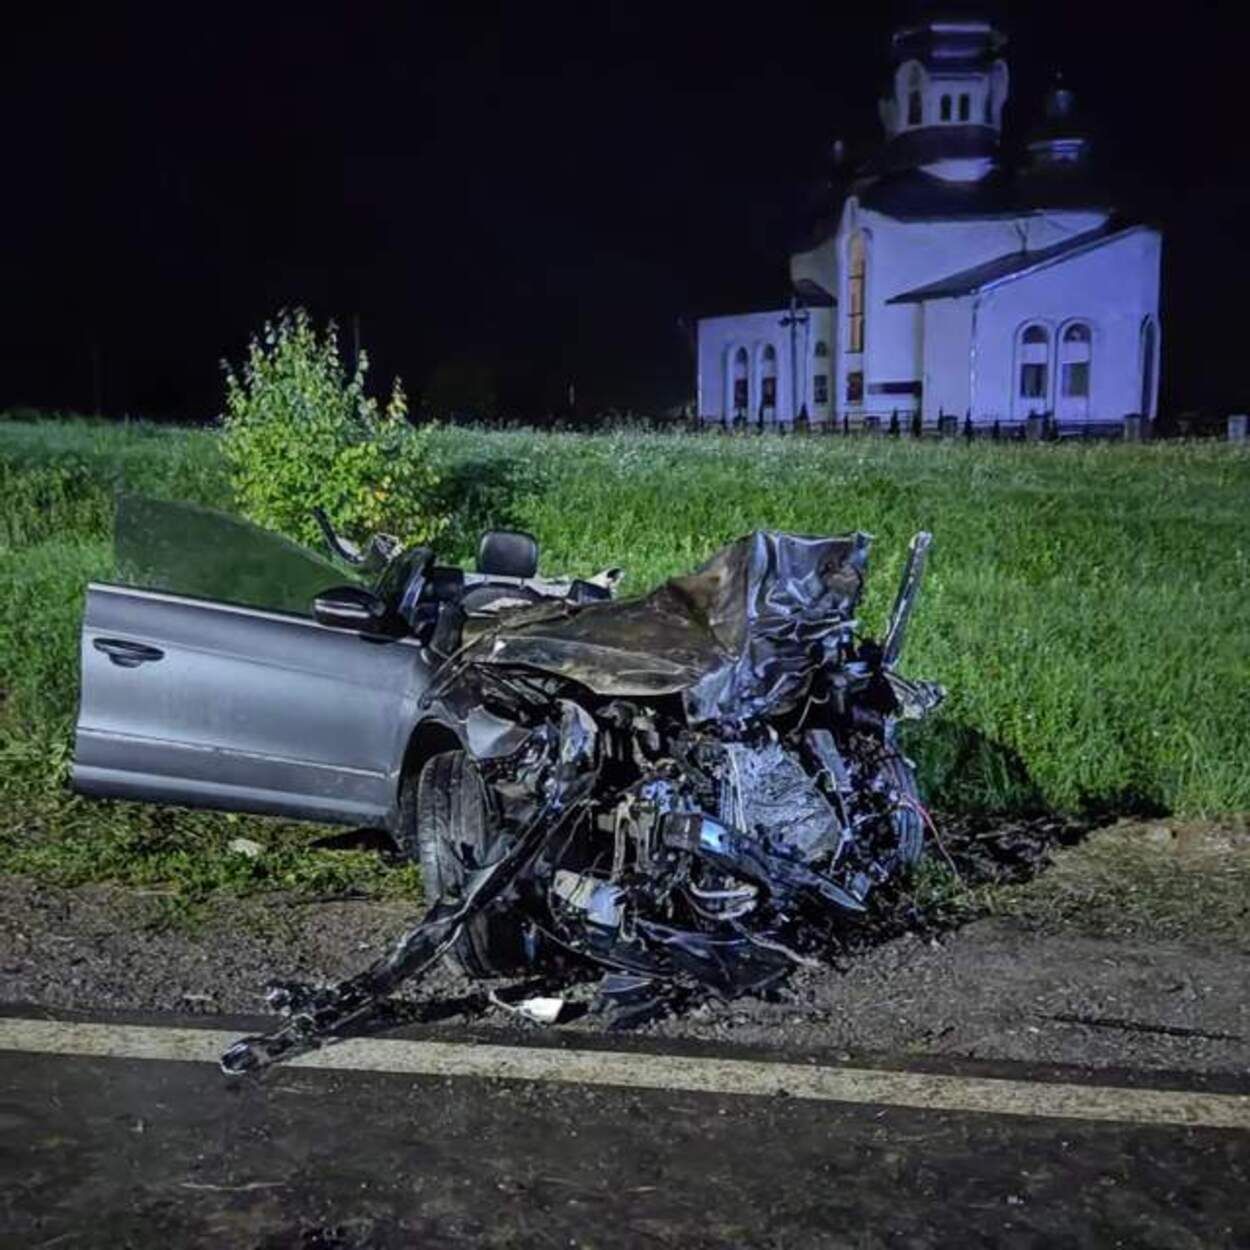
(1137, 1026)
(692, 791)
(244, 846)
(539, 1010)
(247, 1188)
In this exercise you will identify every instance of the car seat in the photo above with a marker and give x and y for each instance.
(510, 555)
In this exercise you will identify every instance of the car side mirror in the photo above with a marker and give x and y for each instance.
(349, 607)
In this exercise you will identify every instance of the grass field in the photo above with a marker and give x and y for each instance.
(1086, 608)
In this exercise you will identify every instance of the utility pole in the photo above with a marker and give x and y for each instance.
(792, 320)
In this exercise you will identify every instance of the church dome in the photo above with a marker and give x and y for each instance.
(1057, 170)
(943, 155)
(1060, 102)
(1060, 139)
(948, 40)
(943, 113)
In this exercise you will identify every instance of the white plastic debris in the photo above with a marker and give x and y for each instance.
(540, 1010)
(244, 846)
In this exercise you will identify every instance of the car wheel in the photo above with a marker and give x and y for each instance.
(445, 826)
(908, 827)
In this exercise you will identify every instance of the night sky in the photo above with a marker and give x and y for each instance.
(545, 190)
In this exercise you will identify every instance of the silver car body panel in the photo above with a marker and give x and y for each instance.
(210, 704)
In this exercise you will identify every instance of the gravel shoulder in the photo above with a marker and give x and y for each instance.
(1096, 986)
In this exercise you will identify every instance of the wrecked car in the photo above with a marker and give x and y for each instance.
(687, 790)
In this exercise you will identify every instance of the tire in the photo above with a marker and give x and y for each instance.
(908, 827)
(445, 826)
(874, 763)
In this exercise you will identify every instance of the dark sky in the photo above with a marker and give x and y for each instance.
(545, 186)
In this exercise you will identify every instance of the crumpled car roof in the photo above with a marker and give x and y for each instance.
(739, 635)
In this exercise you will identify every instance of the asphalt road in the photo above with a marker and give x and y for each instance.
(99, 1149)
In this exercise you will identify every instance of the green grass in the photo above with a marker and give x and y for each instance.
(1086, 607)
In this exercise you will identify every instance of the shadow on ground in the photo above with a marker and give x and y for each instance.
(994, 827)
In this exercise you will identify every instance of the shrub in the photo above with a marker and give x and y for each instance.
(300, 433)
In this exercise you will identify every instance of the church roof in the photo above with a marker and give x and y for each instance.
(914, 196)
(927, 144)
(812, 295)
(947, 39)
(1014, 265)
(917, 196)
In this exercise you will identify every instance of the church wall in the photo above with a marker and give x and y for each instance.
(947, 329)
(1113, 289)
(902, 256)
(720, 338)
(910, 254)
(822, 331)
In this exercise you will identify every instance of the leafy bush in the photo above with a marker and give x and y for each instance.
(300, 433)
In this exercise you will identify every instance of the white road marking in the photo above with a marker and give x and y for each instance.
(920, 1090)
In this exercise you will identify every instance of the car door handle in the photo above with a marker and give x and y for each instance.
(128, 654)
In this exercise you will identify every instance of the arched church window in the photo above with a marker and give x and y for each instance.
(820, 376)
(946, 108)
(1074, 361)
(857, 274)
(915, 101)
(768, 381)
(741, 363)
(965, 107)
(1034, 357)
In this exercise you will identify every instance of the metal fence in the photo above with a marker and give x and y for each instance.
(949, 426)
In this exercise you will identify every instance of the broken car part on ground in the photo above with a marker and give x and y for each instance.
(690, 791)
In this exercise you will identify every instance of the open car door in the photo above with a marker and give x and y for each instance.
(206, 681)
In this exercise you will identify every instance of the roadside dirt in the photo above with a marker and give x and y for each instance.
(1130, 950)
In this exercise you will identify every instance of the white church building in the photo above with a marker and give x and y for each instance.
(946, 283)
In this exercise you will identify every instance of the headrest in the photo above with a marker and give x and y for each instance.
(508, 553)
